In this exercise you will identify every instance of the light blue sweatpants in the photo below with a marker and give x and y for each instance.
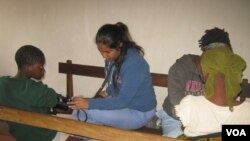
(170, 126)
(121, 118)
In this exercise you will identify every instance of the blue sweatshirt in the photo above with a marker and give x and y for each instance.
(134, 86)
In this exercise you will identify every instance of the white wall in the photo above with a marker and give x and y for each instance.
(65, 29)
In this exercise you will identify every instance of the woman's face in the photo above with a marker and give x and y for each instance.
(108, 53)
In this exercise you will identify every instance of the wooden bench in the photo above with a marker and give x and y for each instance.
(75, 127)
(160, 80)
(81, 128)
(85, 129)
(70, 69)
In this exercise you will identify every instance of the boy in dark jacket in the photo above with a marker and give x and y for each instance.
(24, 91)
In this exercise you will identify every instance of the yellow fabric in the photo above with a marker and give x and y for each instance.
(223, 60)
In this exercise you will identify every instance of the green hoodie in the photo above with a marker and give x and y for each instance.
(29, 95)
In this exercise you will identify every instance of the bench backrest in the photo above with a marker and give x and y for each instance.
(70, 69)
(160, 80)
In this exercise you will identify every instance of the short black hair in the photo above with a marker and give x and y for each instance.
(28, 55)
(214, 35)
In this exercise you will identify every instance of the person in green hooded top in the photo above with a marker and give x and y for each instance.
(202, 115)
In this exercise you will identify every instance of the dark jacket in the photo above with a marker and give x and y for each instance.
(183, 79)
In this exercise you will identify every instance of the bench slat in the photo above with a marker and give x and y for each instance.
(158, 79)
(75, 127)
(83, 70)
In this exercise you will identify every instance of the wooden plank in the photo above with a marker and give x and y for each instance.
(245, 93)
(83, 70)
(76, 127)
(70, 91)
(158, 79)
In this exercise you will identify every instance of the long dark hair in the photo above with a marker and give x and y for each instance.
(117, 36)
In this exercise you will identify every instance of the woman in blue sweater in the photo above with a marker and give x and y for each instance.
(128, 99)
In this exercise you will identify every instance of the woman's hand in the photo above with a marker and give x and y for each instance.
(78, 103)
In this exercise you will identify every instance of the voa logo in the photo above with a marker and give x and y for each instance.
(236, 132)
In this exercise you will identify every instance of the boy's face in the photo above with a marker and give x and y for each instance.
(37, 70)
